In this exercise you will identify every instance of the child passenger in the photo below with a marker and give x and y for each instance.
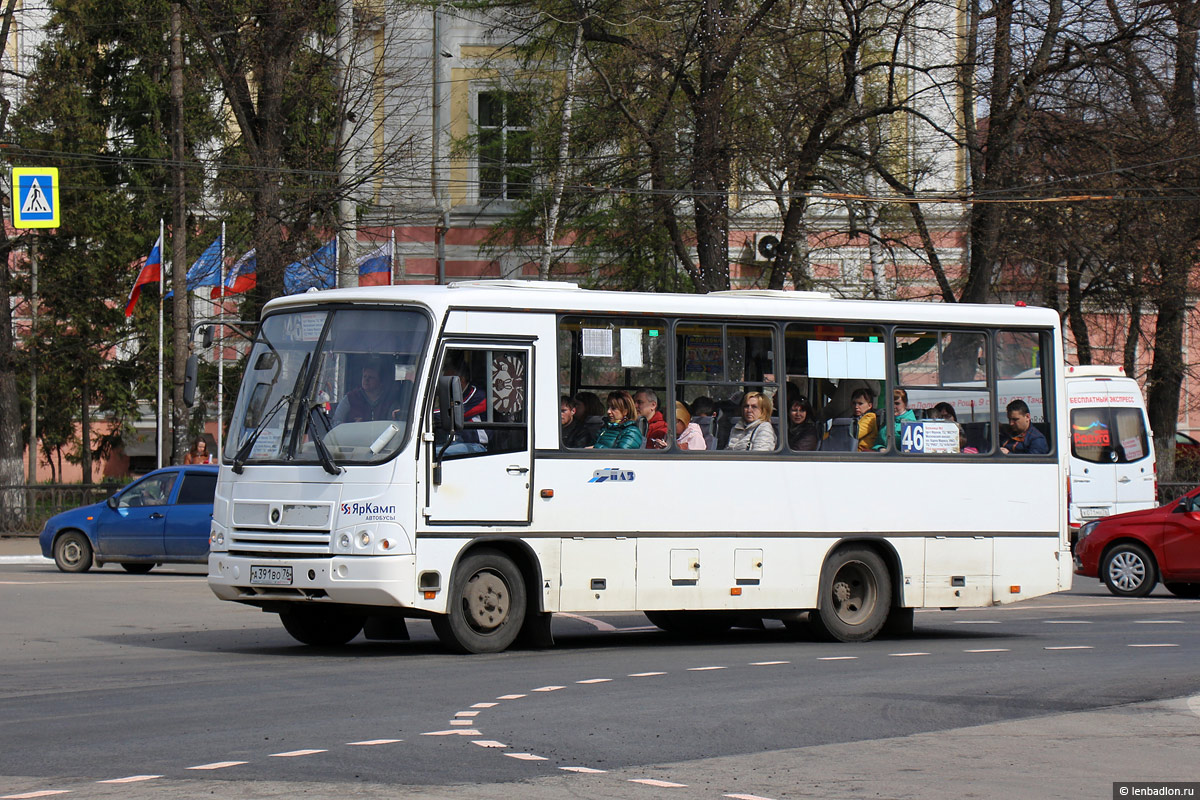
(866, 421)
(688, 434)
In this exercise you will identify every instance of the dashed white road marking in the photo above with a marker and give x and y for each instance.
(131, 779)
(1153, 645)
(1158, 622)
(489, 743)
(838, 658)
(297, 753)
(635, 629)
(1066, 622)
(526, 757)
(767, 663)
(989, 650)
(549, 688)
(584, 770)
(646, 674)
(510, 697)
(747, 797)
(976, 622)
(42, 793)
(906, 655)
(596, 680)
(485, 705)
(373, 742)
(219, 765)
(462, 714)
(598, 624)
(703, 669)
(462, 722)
(1070, 647)
(658, 784)
(455, 732)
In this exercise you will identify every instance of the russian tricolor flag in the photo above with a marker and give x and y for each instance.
(242, 277)
(151, 273)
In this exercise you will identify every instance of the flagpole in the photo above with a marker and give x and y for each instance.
(392, 257)
(158, 413)
(221, 350)
(337, 272)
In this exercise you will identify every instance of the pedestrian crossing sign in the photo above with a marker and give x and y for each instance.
(35, 197)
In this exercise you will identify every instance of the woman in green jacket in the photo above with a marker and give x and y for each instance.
(621, 432)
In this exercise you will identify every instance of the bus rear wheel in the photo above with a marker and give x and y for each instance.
(486, 604)
(855, 596)
(321, 626)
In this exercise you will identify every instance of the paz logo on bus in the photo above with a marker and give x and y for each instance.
(611, 474)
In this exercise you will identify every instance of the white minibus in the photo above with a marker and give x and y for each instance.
(398, 452)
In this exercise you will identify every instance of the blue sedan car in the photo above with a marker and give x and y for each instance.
(163, 518)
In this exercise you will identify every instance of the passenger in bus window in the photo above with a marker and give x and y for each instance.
(591, 411)
(474, 405)
(1022, 436)
(866, 421)
(754, 430)
(573, 432)
(704, 415)
(687, 433)
(375, 397)
(621, 432)
(801, 427)
(902, 412)
(646, 401)
(944, 410)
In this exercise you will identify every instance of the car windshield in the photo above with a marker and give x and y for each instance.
(328, 386)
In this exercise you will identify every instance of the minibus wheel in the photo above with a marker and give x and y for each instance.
(485, 606)
(321, 626)
(855, 596)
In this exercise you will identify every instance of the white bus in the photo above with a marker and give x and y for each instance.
(347, 502)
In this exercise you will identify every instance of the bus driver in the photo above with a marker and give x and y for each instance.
(373, 399)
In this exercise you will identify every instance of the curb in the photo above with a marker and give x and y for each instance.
(25, 560)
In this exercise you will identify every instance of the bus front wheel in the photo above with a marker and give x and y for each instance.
(855, 596)
(486, 604)
(321, 626)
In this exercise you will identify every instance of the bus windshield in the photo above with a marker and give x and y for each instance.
(329, 387)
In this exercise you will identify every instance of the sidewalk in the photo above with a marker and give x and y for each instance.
(20, 549)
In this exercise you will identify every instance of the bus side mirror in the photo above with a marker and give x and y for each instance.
(450, 401)
(189, 382)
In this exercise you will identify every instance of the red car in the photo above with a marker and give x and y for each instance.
(1134, 551)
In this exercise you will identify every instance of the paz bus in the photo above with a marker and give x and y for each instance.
(396, 453)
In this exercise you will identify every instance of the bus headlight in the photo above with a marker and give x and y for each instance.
(216, 537)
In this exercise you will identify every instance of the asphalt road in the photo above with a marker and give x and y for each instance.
(122, 686)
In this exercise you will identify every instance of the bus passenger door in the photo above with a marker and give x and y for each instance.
(483, 473)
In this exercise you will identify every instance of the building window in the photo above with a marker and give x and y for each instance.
(505, 146)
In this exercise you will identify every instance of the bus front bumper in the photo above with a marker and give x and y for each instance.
(386, 581)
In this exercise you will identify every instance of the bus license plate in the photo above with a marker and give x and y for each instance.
(1093, 513)
(271, 576)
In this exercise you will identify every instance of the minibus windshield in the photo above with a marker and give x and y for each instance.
(331, 387)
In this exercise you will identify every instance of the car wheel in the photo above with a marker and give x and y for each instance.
(322, 626)
(854, 598)
(691, 623)
(1189, 591)
(485, 606)
(1128, 570)
(136, 569)
(73, 552)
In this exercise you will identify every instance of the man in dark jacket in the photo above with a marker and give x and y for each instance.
(1023, 437)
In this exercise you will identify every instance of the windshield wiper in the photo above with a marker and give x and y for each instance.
(318, 440)
(239, 460)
